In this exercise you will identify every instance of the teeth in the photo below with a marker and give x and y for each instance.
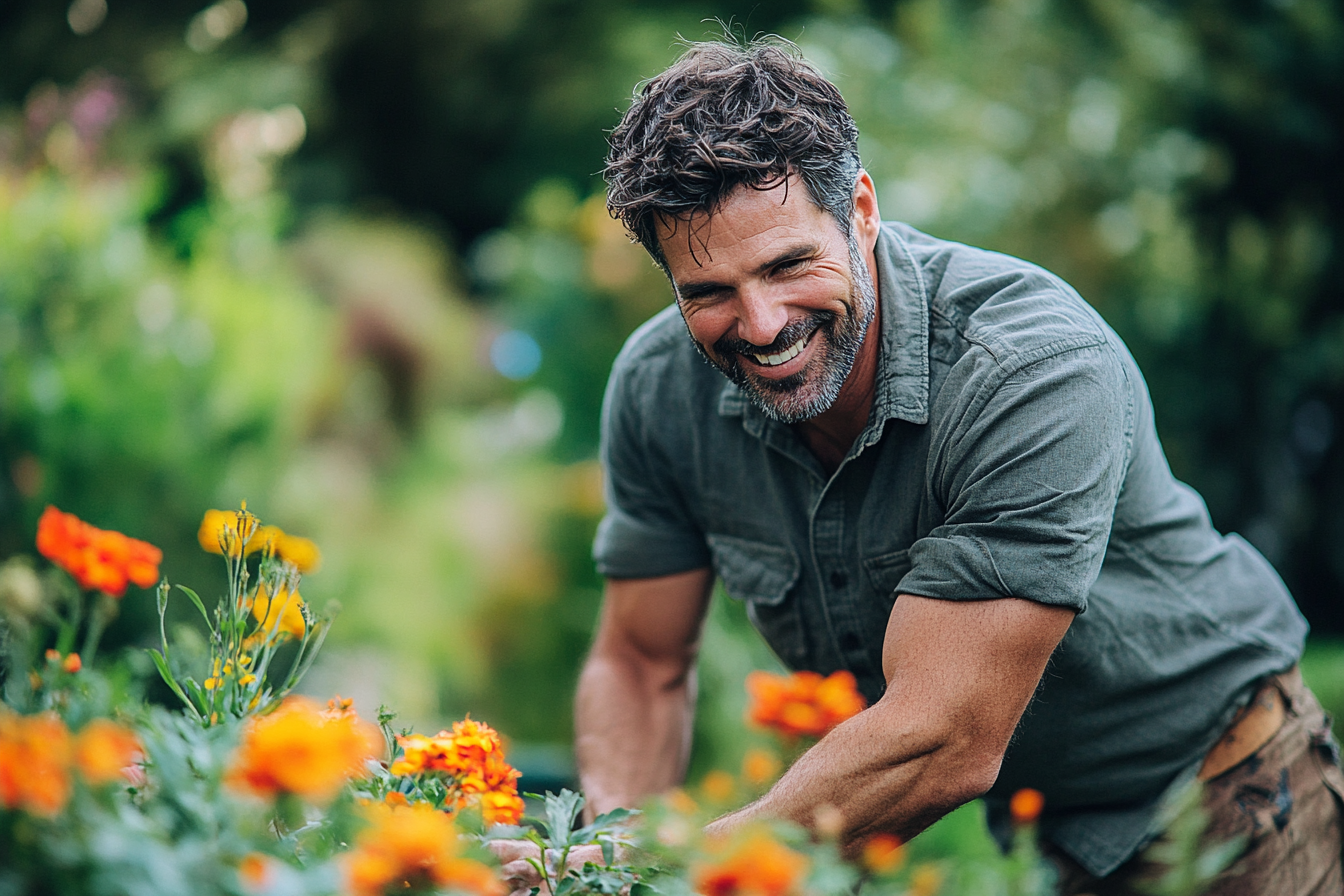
(786, 355)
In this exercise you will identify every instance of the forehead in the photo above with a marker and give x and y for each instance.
(749, 225)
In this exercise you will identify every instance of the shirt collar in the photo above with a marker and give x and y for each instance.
(903, 369)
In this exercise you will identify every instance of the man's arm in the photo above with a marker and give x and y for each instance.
(636, 694)
(959, 676)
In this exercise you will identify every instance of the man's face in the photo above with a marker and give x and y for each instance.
(774, 296)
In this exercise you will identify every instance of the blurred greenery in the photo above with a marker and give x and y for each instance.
(350, 262)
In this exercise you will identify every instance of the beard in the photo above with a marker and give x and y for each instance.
(812, 390)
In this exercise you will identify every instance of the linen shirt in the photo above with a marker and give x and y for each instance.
(1010, 452)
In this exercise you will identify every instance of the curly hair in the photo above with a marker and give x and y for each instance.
(724, 116)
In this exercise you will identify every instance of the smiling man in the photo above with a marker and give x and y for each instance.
(936, 467)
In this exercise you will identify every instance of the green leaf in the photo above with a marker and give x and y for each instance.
(195, 598)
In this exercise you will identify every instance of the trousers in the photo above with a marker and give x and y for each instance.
(1285, 801)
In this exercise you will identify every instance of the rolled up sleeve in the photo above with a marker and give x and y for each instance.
(1027, 472)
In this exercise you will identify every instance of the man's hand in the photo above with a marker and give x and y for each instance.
(519, 860)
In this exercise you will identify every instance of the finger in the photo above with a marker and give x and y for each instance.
(519, 873)
(512, 850)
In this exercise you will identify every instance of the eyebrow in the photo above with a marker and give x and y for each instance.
(698, 288)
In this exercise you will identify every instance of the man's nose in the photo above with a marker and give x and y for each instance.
(760, 317)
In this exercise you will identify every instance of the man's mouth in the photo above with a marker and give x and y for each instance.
(787, 355)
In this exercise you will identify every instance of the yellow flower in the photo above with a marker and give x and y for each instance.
(229, 530)
(286, 606)
(302, 552)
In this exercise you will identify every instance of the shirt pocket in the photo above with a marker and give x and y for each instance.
(763, 575)
(885, 572)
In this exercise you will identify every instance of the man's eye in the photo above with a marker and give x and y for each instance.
(788, 267)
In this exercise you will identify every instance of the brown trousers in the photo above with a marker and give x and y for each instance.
(1286, 800)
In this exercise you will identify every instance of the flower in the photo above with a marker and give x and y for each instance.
(286, 607)
(98, 559)
(753, 865)
(803, 703)
(302, 552)
(239, 531)
(406, 847)
(718, 786)
(234, 531)
(35, 754)
(882, 853)
(255, 871)
(925, 881)
(471, 757)
(1026, 805)
(759, 767)
(300, 750)
(104, 751)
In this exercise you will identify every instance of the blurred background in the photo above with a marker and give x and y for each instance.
(349, 261)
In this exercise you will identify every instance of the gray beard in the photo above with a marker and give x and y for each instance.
(812, 390)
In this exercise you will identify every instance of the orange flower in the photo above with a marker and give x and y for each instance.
(34, 763)
(255, 871)
(471, 757)
(718, 786)
(408, 847)
(803, 703)
(104, 751)
(1026, 805)
(502, 806)
(286, 606)
(760, 767)
(98, 559)
(754, 865)
(72, 663)
(883, 853)
(301, 750)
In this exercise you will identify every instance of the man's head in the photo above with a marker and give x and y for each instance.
(738, 170)
(724, 116)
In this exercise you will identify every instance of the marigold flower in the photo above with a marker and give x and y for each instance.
(286, 606)
(104, 751)
(299, 749)
(754, 865)
(35, 753)
(1026, 805)
(804, 703)
(412, 847)
(99, 560)
(883, 853)
(502, 806)
(926, 880)
(255, 871)
(760, 767)
(72, 663)
(718, 786)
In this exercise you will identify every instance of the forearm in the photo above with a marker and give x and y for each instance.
(632, 729)
(876, 774)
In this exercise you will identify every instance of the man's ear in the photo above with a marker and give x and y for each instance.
(867, 221)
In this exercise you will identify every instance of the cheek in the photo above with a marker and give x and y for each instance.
(706, 326)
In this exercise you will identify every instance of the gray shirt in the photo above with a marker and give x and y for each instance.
(1010, 451)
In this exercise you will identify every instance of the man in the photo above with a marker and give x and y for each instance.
(936, 467)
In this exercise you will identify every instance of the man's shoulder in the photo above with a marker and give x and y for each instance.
(1014, 310)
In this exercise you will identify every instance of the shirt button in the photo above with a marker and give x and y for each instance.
(839, 579)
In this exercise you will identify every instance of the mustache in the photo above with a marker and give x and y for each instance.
(727, 346)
